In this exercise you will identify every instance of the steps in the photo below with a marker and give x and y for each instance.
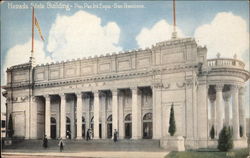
(92, 145)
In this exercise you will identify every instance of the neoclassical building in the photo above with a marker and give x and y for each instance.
(131, 92)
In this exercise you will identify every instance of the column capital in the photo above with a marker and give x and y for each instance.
(62, 95)
(134, 89)
(78, 94)
(96, 93)
(242, 90)
(219, 87)
(114, 91)
(235, 87)
(47, 96)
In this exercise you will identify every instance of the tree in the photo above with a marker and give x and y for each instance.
(10, 130)
(225, 141)
(172, 127)
(212, 132)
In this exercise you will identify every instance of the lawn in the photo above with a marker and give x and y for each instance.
(240, 153)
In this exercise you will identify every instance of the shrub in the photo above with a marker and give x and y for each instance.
(225, 141)
(10, 131)
(212, 132)
(172, 127)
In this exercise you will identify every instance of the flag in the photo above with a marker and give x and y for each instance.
(38, 28)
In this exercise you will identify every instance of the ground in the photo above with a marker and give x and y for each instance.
(239, 153)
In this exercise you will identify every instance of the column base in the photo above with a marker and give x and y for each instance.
(79, 137)
(95, 138)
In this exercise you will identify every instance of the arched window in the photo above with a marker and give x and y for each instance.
(67, 120)
(128, 117)
(52, 120)
(147, 117)
(83, 120)
(109, 118)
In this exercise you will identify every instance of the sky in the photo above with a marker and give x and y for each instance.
(82, 28)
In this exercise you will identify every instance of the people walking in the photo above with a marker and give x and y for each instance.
(88, 134)
(45, 142)
(115, 135)
(61, 144)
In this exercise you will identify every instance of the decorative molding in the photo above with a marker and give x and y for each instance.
(180, 84)
(166, 85)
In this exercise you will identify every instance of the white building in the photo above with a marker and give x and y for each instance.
(131, 92)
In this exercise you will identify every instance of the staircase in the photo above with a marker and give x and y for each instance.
(92, 145)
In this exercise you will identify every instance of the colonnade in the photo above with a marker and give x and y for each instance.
(117, 113)
(220, 94)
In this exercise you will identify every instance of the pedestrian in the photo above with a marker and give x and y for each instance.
(88, 135)
(61, 144)
(115, 135)
(45, 142)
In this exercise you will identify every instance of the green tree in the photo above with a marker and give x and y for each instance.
(172, 126)
(225, 141)
(10, 130)
(212, 132)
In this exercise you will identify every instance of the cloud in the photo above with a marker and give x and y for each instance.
(20, 54)
(226, 34)
(82, 35)
(161, 31)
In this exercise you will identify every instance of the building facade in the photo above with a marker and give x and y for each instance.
(131, 92)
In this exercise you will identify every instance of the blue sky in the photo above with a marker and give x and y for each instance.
(127, 26)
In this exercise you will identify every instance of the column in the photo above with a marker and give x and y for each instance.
(96, 114)
(114, 110)
(87, 119)
(202, 120)
(33, 117)
(235, 107)
(156, 96)
(63, 116)
(121, 116)
(104, 116)
(47, 116)
(136, 115)
(219, 109)
(227, 109)
(79, 116)
(242, 111)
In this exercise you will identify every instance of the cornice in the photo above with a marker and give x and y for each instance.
(157, 70)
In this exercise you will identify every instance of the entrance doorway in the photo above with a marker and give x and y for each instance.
(109, 127)
(68, 131)
(53, 128)
(83, 127)
(147, 126)
(128, 126)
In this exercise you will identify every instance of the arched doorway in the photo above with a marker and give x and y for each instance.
(83, 127)
(147, 126)
(53, 128)
(68, 131)
(92, 127)
(128, 126)
(109, 126)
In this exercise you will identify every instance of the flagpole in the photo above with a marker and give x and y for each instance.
(174, 34)
(33, 21)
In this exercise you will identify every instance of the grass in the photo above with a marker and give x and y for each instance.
(240, 153)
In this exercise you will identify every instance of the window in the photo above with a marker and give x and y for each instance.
(2, 123)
